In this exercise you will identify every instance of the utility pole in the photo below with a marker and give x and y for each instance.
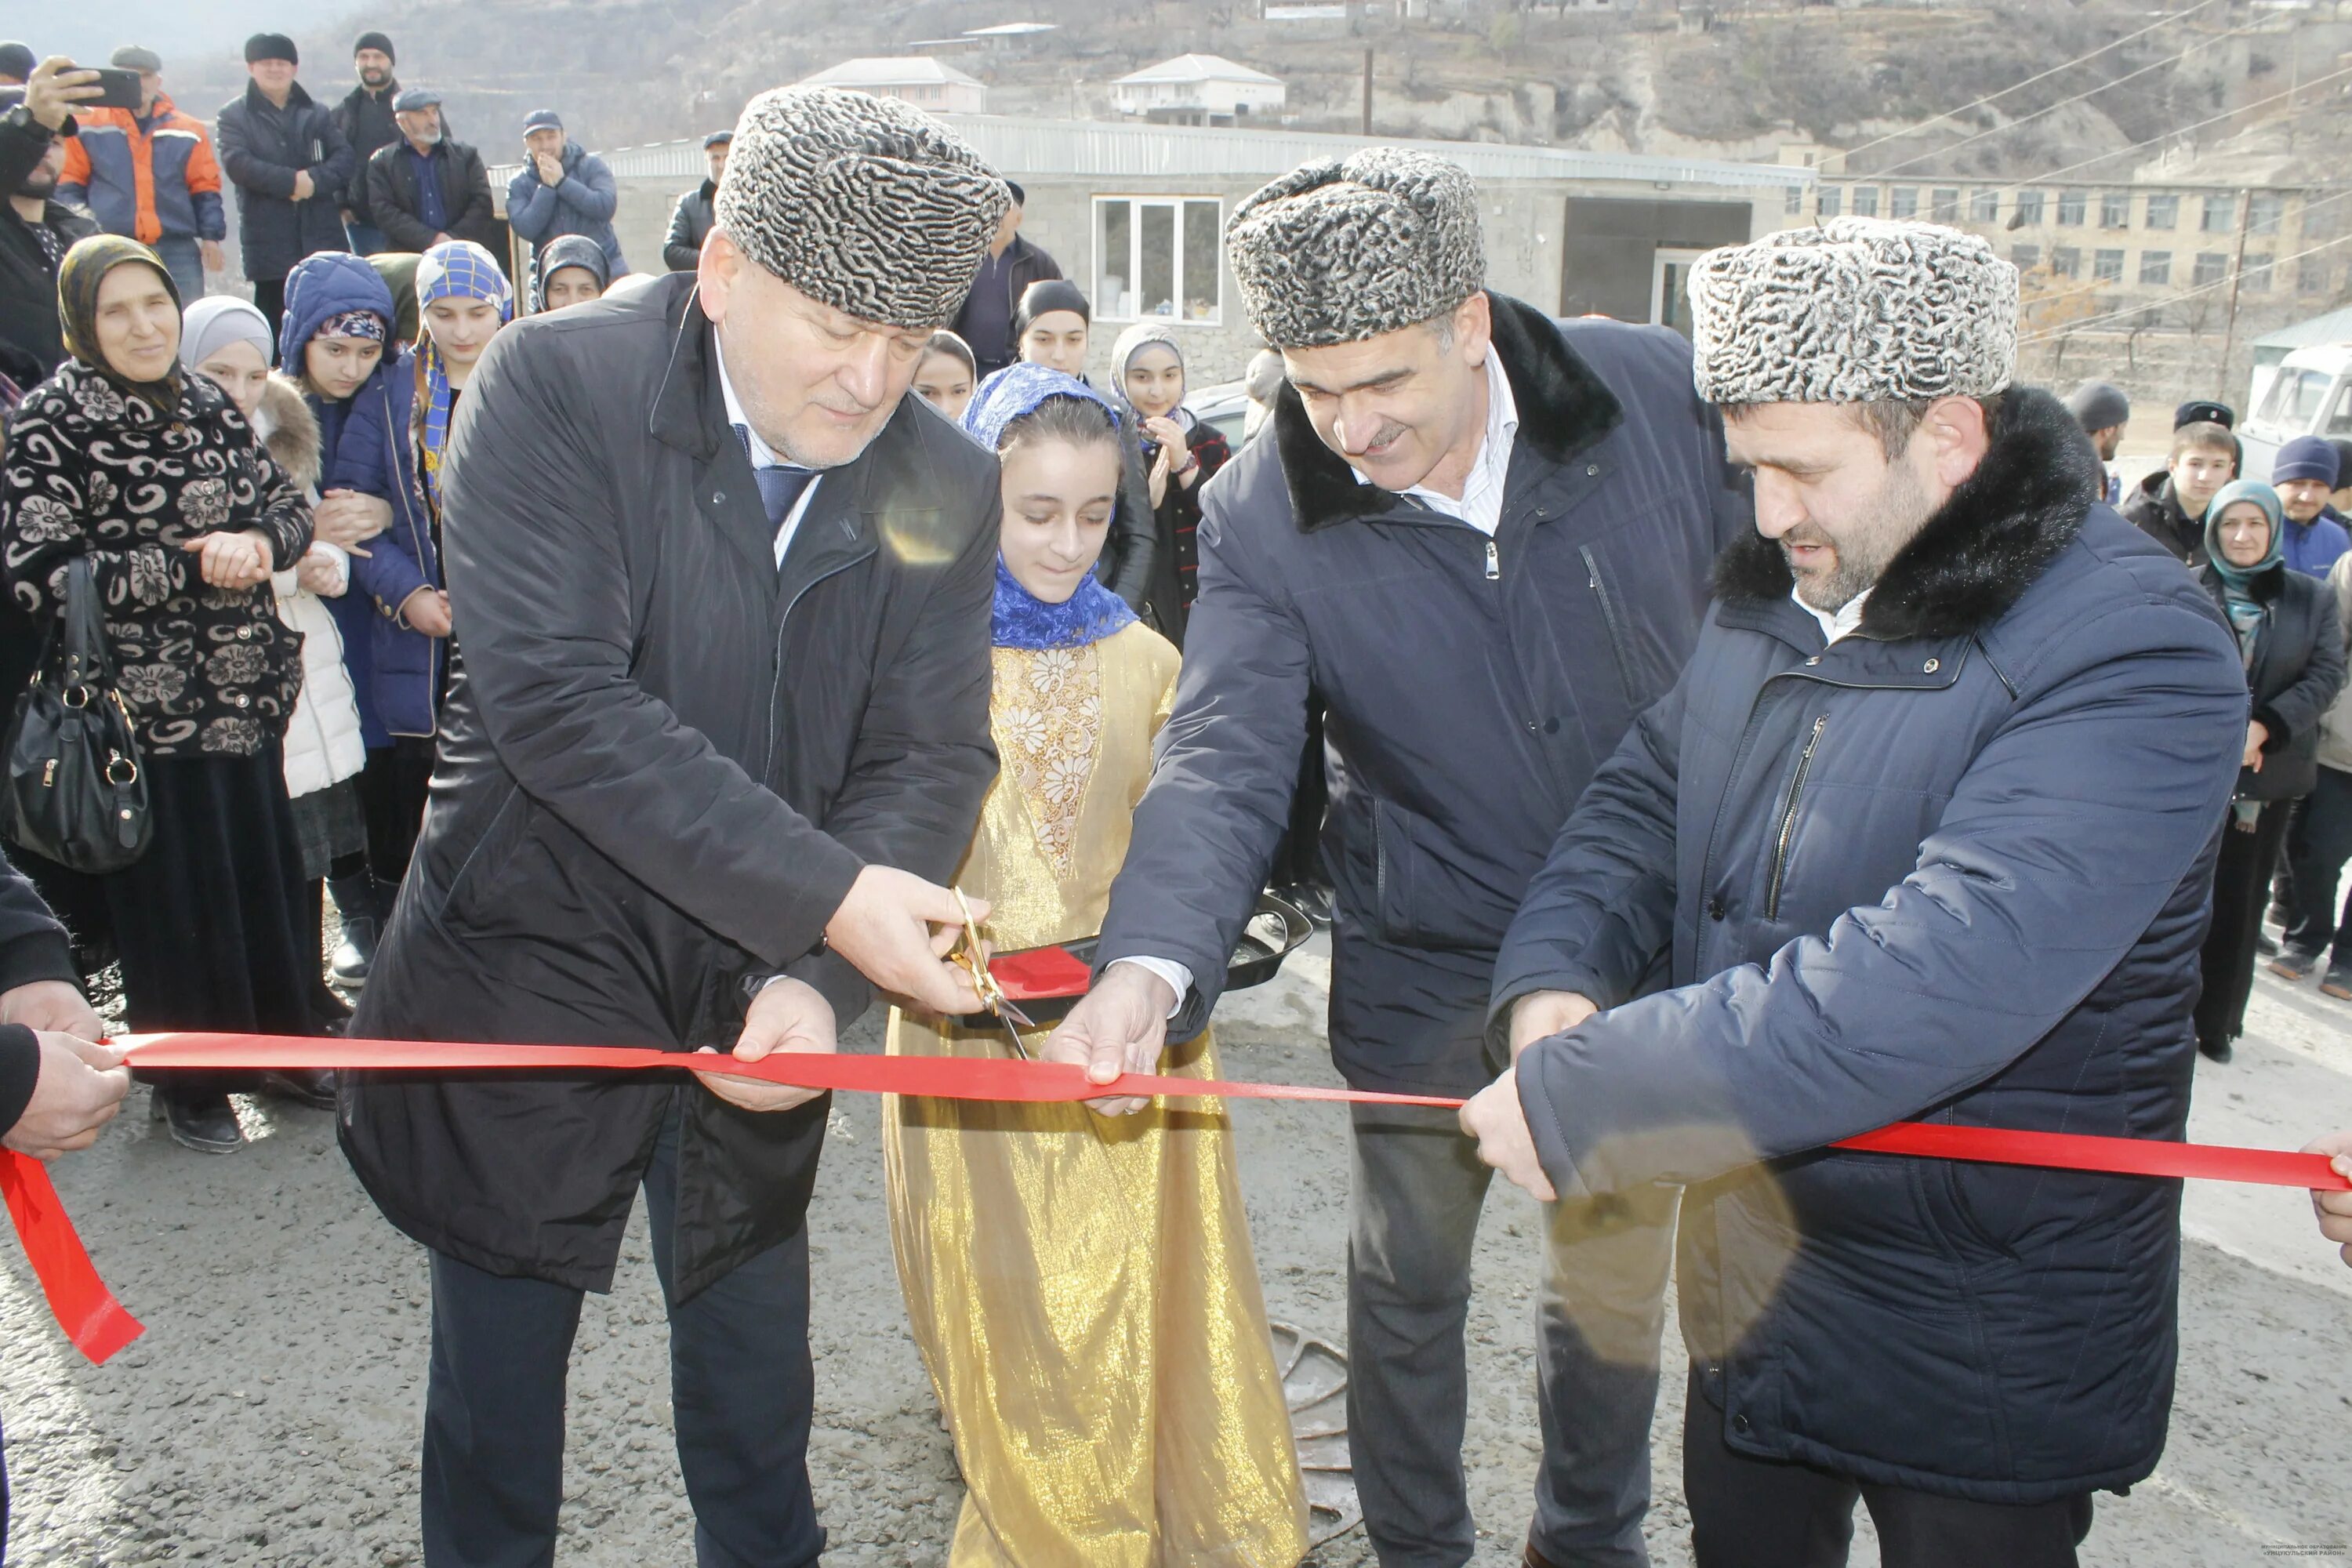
(1368, 90)
(2237, 277)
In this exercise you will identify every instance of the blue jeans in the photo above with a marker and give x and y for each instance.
(366, 239)
(741, 1385)
(185, 262)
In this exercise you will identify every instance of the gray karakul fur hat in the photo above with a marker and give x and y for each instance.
(860, 202)
(1856, 310)
(1340, 250)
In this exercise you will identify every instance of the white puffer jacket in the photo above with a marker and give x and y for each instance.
(322, 740)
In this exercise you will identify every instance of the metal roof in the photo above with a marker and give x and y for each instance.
(2335, 327)
(1108, 150)
(1197, 68)
(889, 70)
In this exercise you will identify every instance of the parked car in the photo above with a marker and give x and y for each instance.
(1224, 406)
(2309, 393)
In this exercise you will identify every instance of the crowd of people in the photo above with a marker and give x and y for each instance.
(1693, 735)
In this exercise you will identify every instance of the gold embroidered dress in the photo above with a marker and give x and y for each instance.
(1082, 1287)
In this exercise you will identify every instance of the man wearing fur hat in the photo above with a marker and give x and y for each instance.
(1484, 537)
(725, 591)
(1925, 832)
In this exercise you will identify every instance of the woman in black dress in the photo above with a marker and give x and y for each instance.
(152, 475)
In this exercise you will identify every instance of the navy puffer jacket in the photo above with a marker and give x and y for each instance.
(370, 447)
(1953, 867)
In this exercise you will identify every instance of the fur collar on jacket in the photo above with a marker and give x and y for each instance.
(1564, 407)
(1984, 547)
(289, 430)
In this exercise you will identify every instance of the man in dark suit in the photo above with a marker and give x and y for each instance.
(724, 589)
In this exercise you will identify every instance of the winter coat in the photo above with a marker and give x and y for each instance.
(33, 946)
(146, 178)
(1026, 263)
(664, 762)
(1176, 526)
(32, 344)
(689, 226)
(1953, 867)
(365, 121)
(323, 739)
(2154, 509)
(93, 472)
(263, 147)
(1472, 684)
(2336, 724)
(393, 203)
(2296, 675)
(396, 669)
(582, 202)
(2313, 548)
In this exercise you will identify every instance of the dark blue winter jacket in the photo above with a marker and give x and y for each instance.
(1472, 684)
(1952, 868)
(369, 447)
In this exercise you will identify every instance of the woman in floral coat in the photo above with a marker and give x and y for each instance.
(153, 477)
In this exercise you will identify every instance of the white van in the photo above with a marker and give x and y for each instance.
(2310, 393)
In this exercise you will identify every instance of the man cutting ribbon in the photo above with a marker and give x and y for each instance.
(724, 594)
(1927, 832)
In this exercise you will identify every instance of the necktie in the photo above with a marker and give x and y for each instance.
(780, 486)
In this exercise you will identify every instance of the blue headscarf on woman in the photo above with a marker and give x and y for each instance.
(2246, 612)
(1020, 619)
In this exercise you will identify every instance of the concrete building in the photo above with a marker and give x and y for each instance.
(1199, 90)
(927, 83)
(1135, 212)
(2147, 281)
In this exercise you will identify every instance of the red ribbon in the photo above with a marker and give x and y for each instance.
(97, 1323)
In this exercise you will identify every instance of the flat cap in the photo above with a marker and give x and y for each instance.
(1856, 310)
(132, 57)
(1340, 250)
(862, 203)
(415, 97)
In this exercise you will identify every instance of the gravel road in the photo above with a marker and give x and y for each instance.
(271, 1416)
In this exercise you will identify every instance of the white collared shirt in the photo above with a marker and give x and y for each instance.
(762, 454)
(1480, 505)
(1840, 622)
(1481, 502)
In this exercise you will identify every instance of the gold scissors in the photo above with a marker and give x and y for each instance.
(973, 957)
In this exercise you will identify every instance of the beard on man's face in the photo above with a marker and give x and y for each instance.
(1864, 547)
(41, 183)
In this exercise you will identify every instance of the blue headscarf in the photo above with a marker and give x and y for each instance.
(457, 268)
(1020, 619)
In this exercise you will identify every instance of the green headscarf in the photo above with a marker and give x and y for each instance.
(2246, 612)
(85, 267)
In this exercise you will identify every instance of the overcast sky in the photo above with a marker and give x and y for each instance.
(89, 30)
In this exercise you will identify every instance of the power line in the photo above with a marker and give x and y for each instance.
(2096, 285)
(2167, 135)
(2029, 81)
(2053, 109)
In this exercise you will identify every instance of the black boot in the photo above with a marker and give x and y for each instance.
(355, 900)
(313, 1086)
(2217, 1047)
(203, 1122)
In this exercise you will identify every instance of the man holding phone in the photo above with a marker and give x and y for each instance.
(147, 172)
(36, 122)
(291, 167)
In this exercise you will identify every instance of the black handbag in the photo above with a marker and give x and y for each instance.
(75, 791)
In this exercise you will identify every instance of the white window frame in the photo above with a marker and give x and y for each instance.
(1663, 261)
(1104, 310)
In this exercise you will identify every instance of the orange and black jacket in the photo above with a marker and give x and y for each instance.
(150, 178)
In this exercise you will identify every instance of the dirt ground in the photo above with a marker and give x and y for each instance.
(271, 1416)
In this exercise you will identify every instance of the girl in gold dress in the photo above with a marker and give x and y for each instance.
(1082, 1287)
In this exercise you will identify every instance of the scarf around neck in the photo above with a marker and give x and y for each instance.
(459, 268)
